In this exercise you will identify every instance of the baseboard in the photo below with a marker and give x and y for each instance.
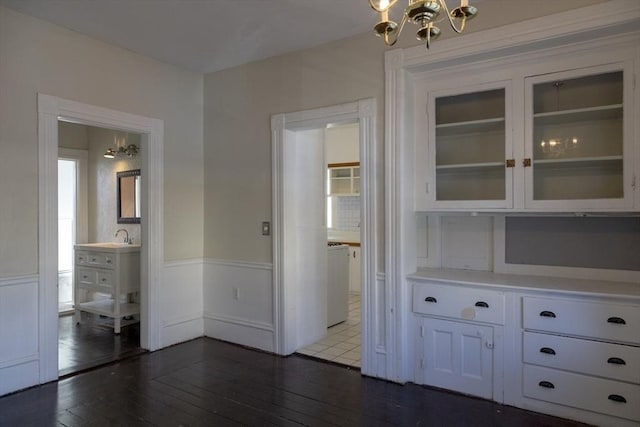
(239, 331)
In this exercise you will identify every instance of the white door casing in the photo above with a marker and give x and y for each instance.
(50, 110)
(284, 128)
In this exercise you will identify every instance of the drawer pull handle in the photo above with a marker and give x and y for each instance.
(547, 350)
(108, 261)
(85, 277)
(547, 384)
(616, 361)
(616, 320)
(430, 299)
(482, 304)
(617, 398)
(547, 314)
(93, 259)
(104, 279)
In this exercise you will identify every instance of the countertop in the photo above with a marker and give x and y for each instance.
(530, 283)
(108, 247)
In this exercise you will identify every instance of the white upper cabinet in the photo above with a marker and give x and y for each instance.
(469, 143)
(578, 134)
(556, 137)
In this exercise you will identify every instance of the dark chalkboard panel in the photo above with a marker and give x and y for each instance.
(590, 242)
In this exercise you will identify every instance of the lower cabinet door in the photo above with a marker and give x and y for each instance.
(458, 356)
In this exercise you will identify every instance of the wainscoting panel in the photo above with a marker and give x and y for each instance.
(18, 333)
(238, 302)
(181, 301)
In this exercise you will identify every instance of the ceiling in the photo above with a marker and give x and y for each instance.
(206, 35)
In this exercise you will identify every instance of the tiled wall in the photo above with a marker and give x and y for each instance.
(347, 213)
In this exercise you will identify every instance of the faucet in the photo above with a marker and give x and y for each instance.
(126, 238)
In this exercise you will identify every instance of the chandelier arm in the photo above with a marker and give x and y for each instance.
(453, 24)
(387, 40)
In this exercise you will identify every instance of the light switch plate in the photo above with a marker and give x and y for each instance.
(266, 228)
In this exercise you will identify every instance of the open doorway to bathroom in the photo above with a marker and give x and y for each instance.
(98, 246)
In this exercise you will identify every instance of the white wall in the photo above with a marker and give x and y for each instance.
(38, 57)
(342, 144)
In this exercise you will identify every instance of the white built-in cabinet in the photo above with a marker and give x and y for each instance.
(558, 140)
(344, 179)
(457, 333)
(565, 347)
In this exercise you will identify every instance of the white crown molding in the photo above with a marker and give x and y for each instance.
(600, 20)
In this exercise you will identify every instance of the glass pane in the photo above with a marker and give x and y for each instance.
(578, 138)
(470, 146)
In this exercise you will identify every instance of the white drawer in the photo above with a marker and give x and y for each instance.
(581, 391)
(615, 361)
(82, 258)
(617, 322)
(459, 303)
(105, 280)
(98, 259)
(86, 276)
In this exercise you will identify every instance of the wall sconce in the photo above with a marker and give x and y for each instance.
(121, 150)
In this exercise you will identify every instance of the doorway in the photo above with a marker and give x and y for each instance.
(90, 299)
(292, 133)
(50, 110)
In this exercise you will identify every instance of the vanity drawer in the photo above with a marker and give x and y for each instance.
(105, 280)
(616, 322)
(86, 276)
(459, 303)
(82, 258)
(581, 391)
(615, 361)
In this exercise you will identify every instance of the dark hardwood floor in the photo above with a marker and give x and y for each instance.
(206, 382)
(93, 343)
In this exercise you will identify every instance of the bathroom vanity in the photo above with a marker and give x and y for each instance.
(107, 278)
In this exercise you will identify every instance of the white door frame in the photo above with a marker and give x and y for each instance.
(285, 325)
(50, 110)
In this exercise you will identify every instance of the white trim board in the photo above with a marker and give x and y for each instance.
(50, 110)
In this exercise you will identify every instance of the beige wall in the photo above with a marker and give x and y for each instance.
(73, 135)
(238, 104)
(102, 186)
(36, 56)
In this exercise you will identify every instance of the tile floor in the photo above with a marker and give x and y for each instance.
(342, 342)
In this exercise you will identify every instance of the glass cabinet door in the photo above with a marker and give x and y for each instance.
(468, 149)
(577, 143)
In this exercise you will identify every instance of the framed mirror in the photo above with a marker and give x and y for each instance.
(128, 196)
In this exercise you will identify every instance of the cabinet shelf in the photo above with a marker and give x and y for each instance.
(105, 307)
(604, 112)
(580, 161)
(468, 166)
(472, 126)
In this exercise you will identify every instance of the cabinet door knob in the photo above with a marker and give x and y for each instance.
(616, 320)
(108, 261)
(430, 299)
(482, 304)
(546, 313)
(616, 361)
(546, 384)
(617, 398)
(547, 350)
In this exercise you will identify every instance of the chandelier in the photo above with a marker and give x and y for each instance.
(121, 149)
(422, 13)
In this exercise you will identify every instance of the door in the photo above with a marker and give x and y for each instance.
(306, 233)
(469, 142)
(458, 356)
(579, 144)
